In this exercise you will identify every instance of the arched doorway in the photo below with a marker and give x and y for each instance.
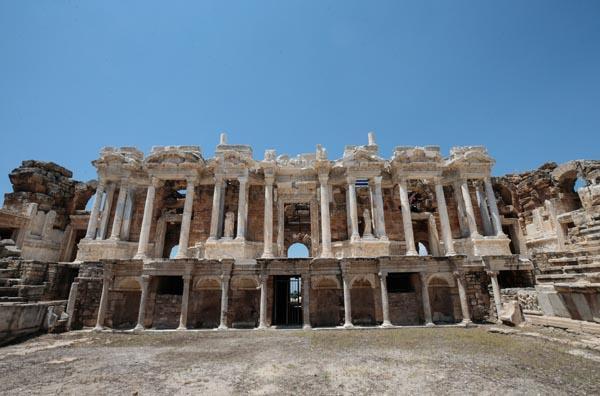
(440, 298)
(298, 250)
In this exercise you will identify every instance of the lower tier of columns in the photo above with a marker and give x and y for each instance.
(308, 300)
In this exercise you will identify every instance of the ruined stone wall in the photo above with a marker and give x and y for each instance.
(478, 297)
(243, 308)
(89, 291)
(326, 307)
(200, 226)
(204, 309)
(51, 187)
(338, 215)
(256, 214)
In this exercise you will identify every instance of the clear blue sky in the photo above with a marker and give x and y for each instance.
(521, 77)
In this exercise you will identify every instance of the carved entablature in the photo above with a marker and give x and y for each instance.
(174, 162)
(233, 161)
(469, 162)
(417, 162)
(118, 162)
(362, 161)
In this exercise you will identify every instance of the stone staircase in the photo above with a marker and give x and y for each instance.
(15, 283)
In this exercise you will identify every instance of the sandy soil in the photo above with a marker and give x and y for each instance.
(439, 360)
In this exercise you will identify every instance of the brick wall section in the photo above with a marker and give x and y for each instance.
(243, 308)
(478, 297)
(204, 309)
(166, 311)
(337, 213)
(256, 214)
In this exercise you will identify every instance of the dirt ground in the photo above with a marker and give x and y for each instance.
(395, 361)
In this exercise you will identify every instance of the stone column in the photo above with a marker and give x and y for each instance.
(106, 279)
(224, 301)
(106, 212)
(425, 299)
(380, 215)
(464, 188)
(268, 224)
(185, 299)
(496, 290)
(125, 228)
(409, 237)
(147, 220)
(483, 209)
(115, 233)
(306, 301)
(325, 222)
(215, 214)
(385, 306)
(353, 209)
(93, 223)
(242, 209)
(347, 303)
(462, 294)
(491, 198)
(280, 227)
(145, 280)
(262, 320)
(460, 208)
(444, 220)
(186, 219)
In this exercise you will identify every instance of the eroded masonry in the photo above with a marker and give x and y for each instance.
(176, 240)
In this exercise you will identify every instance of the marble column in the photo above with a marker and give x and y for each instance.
(425, 299)
(93, 223)
(107, 278)
(145, 280)
(379, 214)
(186, 219)
(106, 212)
(462, 294)
(496, 290)
(483, 210)
(128, 213)
(464, 188)
(491, 198)
(347, 302)
(268, 224)
(147, 220)
(460, 209)
(262, 319)
(115, 233)
(325, 221)
(353, 209)
(385, 306)
(216, 214)
(444, 220)
(306, 301)
(185, 300)
(409, 237)
(224, 301)
(242, 208)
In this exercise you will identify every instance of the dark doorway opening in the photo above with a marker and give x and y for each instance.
(287, 301)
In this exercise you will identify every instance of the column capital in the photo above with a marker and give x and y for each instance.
(323, 178)
(350, 179)
(382, 274)
(124, 182)
(458, 274)
(377, 180)
(191, 180)
(243, 179)
(156, 182)
(269, 180)
(187, 277)
(218, 178)
(145, 279)
(491, 273)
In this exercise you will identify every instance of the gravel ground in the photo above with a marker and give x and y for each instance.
(409, 360)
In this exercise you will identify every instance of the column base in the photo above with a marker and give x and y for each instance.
(240, 239)
(261, 327)
(307, 327)
(450, 254)
(386, 325)
(181, 328)
(384, 238)
(355, 238)
(429, 324)
(326, 255)
(222, 327)
(140, 256)
(267, 255)
(466, 323)
(98, 329)
(348, 326)
(412, 253)
(139, 328)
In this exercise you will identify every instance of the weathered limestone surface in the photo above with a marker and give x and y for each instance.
(177, 240)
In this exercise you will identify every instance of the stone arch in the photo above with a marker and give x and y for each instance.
(362, 296)
(211, 282)
(326, 282)
(441, 300)
(298, 250)
(245, 282)
(129, 283)
(363, 281)
(566, 176)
